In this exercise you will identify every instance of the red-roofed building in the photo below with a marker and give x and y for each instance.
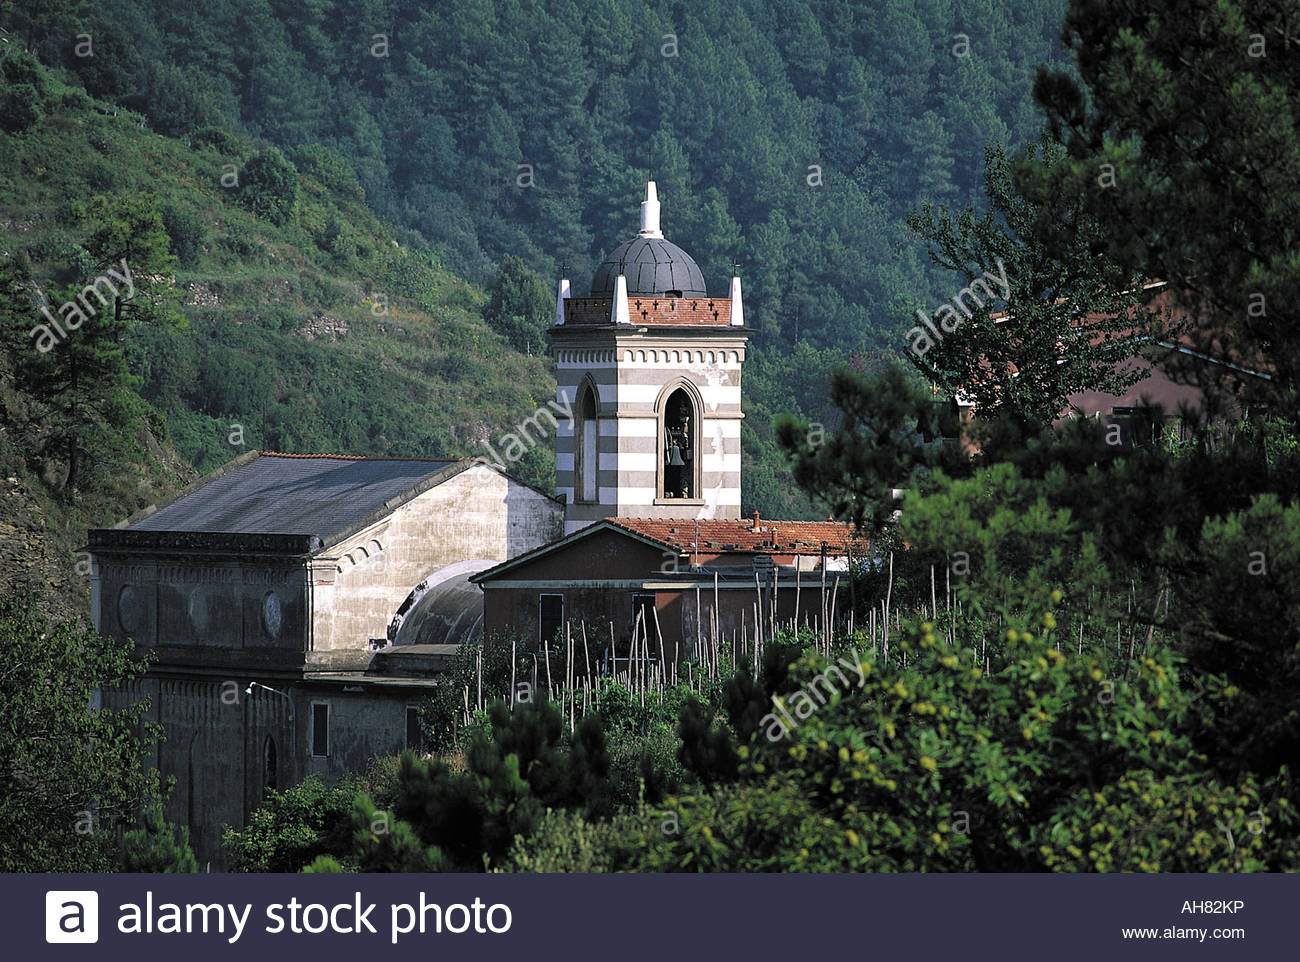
(668, 579)
(1163, 363)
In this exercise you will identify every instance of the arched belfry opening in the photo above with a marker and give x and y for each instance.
(679, 433)
(587, 460)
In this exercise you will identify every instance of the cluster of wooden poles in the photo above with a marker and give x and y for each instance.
(647, 672)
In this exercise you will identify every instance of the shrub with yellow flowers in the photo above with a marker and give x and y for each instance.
(945, 766)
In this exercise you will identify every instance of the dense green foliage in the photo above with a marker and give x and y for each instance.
(889, 431)
(437, 108)
(497, 774)
(1111, 686)
(1112, 681)
(520, 307)
(294, 827)
(983, 740)
(1194, 542)
(267, 260)
(1167, 546)
(70, 771)
(84, 379)
(1042, 763)
(1207, 202)
(445, 820)
(1032, 327)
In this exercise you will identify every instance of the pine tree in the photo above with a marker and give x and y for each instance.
(1063, 322)
(468, 821)
(891, 432)
(1182, 126)
(16, 317)
(85, 382)
(157, 846)
(128, 230)
(60, 803)
(520, 307)
(84, 376)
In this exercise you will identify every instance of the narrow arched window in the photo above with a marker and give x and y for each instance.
(270, 774)
(587, 461)
(680, 470)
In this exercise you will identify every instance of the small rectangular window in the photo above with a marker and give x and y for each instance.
(550, 619)
(320, 729)
(414, 734)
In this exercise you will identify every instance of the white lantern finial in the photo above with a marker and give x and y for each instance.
(650, 212)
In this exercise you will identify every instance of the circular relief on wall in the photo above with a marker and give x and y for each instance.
(131, 613)
(272, 615)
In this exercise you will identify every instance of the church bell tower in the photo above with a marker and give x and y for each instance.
(650, 365)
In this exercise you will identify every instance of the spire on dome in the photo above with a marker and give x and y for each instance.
(650, 212)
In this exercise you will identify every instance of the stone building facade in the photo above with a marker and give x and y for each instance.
(299, 608)
(649, 468)
(277, 597)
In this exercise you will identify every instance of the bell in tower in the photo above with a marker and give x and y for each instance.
(679, 478)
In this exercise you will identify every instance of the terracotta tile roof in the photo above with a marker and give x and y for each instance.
(746, 536)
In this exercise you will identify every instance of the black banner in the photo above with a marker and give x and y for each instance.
(196, 917)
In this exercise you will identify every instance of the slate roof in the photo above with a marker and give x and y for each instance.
(320, 495)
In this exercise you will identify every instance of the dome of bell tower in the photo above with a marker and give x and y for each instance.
(654, 267)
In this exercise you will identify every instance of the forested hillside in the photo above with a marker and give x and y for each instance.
(331, 190)
(338, 226)
(792, 136)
